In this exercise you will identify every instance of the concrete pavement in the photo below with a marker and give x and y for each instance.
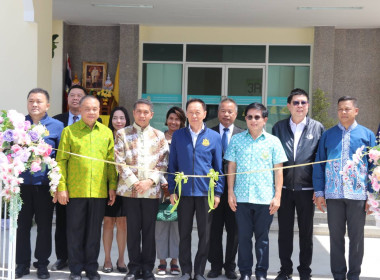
(320, 265)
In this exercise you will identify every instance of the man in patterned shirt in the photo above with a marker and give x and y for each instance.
(254, 196)
(83, 186)
(145, 147)
(346, 197)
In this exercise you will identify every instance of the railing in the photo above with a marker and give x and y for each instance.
(7, 241)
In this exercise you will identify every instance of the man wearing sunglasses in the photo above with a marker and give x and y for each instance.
(299, 136)
(254, 193)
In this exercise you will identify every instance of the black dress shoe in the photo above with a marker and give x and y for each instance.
(21, 270)
(75, 276)
(122, 269)
(93, 275)
(283, 276)
(130, 276)
(148, 275)
(230, 274)
(245, 277)
(42, 272)
(214, 273)
(261, 278)
(59, 265)
(199, 277)
(305, 277)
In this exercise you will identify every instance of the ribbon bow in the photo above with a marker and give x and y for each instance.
(214, 176)
(179, 177)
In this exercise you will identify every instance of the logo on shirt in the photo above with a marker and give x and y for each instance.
(205, 142)
(309, 136)
(265, 155)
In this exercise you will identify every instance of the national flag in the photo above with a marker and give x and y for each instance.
(116, 85)
(68, 82)
(68, 79)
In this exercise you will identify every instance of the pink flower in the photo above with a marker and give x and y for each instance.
(1, 120)
(35, 166)
(376, 173)
(374, 155)
(9, 156)
(375, 183)
(27, 125)
(374, 203)
(16, 148)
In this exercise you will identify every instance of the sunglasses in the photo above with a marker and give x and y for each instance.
(296, 103)
(250, 117)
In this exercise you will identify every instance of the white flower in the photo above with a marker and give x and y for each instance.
(40, 129)
(16, 118)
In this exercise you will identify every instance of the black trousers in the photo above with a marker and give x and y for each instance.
(342, 212)
(60, 232)
(84, 225)
(141, 226)
(302, 202)
(37, 203)
(222, 217)
(186, 208)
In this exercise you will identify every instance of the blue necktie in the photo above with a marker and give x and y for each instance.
(225, 139)
(75, 118)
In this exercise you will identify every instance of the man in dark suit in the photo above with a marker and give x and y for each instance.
(76, 93)
(223, 216)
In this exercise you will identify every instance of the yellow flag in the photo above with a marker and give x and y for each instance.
(116, 85)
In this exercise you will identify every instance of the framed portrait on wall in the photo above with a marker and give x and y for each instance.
(94, 75)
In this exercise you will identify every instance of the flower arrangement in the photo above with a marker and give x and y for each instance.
(105, 93)
(22, 148)
(350, 168)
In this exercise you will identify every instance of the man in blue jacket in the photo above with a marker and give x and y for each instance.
(194, 151)
(35, 194)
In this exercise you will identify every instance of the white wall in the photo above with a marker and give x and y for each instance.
(25, 51)
(57, 71)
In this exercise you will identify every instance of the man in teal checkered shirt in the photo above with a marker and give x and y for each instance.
(255, 196)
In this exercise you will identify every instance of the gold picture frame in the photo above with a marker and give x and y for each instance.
(94, 75)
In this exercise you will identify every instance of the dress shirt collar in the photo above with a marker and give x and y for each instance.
(193, 133)
(139, 129)
(262, 135)
(29, 118)
(221, 127)
(293, 125)
(83, 125)
(352, 126)
(71, 115)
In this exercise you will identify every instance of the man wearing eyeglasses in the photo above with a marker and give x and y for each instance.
(254, 193)
(299, 136)
(344, 194)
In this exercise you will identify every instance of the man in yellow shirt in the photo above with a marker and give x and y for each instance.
(83, 186)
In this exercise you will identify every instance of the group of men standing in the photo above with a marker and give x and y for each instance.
(256, 187)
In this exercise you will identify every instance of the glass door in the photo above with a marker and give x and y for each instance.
(245, 86)
(211, 83)
(206, 82)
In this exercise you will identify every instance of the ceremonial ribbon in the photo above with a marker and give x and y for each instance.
(179, 176)
(214, 176)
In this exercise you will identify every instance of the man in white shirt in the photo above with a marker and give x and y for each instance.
(299, 136)
(223, 216)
